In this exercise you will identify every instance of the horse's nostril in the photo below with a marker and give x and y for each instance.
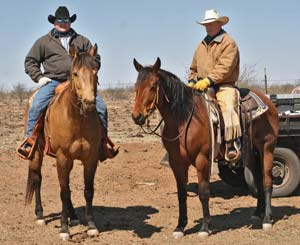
(140, 120)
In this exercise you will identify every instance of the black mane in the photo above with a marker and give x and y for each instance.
(179, 95)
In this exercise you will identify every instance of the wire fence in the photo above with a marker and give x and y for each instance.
(270, 83)
(292, 83)
(104, 86)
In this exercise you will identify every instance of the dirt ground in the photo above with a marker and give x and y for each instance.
(135, 198)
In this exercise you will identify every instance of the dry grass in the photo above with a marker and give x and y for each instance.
(273, 89)
(115, 94)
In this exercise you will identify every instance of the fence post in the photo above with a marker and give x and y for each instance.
(266, 81)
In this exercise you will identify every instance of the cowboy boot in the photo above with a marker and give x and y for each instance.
(165, 160)
(232, 152)
(107, 149)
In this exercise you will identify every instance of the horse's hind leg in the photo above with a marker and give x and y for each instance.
(34, 182)
(64, 167)
(180, 172)
(257, 169)
(267, 160)
(89, 174)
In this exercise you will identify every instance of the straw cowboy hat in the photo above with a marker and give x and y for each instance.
(212, 15)
(61, 13)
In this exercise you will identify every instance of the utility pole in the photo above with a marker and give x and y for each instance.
(266, 81)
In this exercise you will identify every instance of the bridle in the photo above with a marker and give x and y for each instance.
(79, 105)
(152, 109)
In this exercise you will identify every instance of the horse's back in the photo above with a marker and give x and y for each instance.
(266, 126)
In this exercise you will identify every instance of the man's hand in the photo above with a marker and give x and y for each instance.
(44, 80)
(202, 84)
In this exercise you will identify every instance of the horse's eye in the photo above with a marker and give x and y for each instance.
(75, 74)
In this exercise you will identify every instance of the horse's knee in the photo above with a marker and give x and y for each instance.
(89, 194)
(65, 194)
(203, 194)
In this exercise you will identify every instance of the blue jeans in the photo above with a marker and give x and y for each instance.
(42, 99)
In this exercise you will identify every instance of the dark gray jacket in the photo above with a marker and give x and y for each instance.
(49, 52)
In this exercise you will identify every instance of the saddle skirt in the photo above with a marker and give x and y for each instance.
(251, 107)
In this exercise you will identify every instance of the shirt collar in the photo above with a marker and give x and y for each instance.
(58, 34)
(217, 38)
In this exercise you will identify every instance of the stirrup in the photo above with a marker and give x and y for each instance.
(232, 155)
(108, 150)
(26, 152)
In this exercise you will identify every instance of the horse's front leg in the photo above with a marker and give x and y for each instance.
(89, 174)
(180, 171)
(64, 167)
(203, 173)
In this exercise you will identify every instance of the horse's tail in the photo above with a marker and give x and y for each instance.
(34, 180)
(30, 188)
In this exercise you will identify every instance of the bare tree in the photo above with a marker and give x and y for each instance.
(20, 91)
(248, 75)
(2, 91)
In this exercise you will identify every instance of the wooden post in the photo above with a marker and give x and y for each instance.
(266, 81)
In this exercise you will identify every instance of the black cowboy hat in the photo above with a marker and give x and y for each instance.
(61, 13)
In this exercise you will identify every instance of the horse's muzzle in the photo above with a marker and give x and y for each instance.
(139, 120)
(89, 105)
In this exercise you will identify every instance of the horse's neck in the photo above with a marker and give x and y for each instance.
(164, 107)
(70, 102)
(169, 120)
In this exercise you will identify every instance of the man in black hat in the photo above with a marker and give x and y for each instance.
(52, 52)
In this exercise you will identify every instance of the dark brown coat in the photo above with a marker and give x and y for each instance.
(50, 53)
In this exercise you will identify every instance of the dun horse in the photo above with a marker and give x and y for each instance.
(72, 124)
(186, 136)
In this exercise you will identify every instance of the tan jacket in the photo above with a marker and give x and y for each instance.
(219, 61)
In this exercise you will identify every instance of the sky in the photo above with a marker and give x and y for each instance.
(266, 32)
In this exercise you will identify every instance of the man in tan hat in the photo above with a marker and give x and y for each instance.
(216, 64)
(51, 52)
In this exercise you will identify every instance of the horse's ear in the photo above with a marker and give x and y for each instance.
(73, 51)
(156, 66)
(93, 51)
(137, 65)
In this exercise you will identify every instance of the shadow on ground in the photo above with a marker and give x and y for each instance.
(133, 219)
(241, 217)
(220, 189)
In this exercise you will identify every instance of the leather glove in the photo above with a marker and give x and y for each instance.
(44, 80)
(191, 83)
(202, 84)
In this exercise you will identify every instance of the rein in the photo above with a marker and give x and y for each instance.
(153, 107)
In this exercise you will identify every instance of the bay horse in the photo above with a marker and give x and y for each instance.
(186, 137)
(72, 123)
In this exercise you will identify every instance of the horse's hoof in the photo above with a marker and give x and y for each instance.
(178, 234)
(203, 234)
(267, 227)
(93, 232)
(74, 222)
(40, 222)
(64, 236)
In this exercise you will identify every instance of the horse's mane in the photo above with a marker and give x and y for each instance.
(85, 59)
(179, 95)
